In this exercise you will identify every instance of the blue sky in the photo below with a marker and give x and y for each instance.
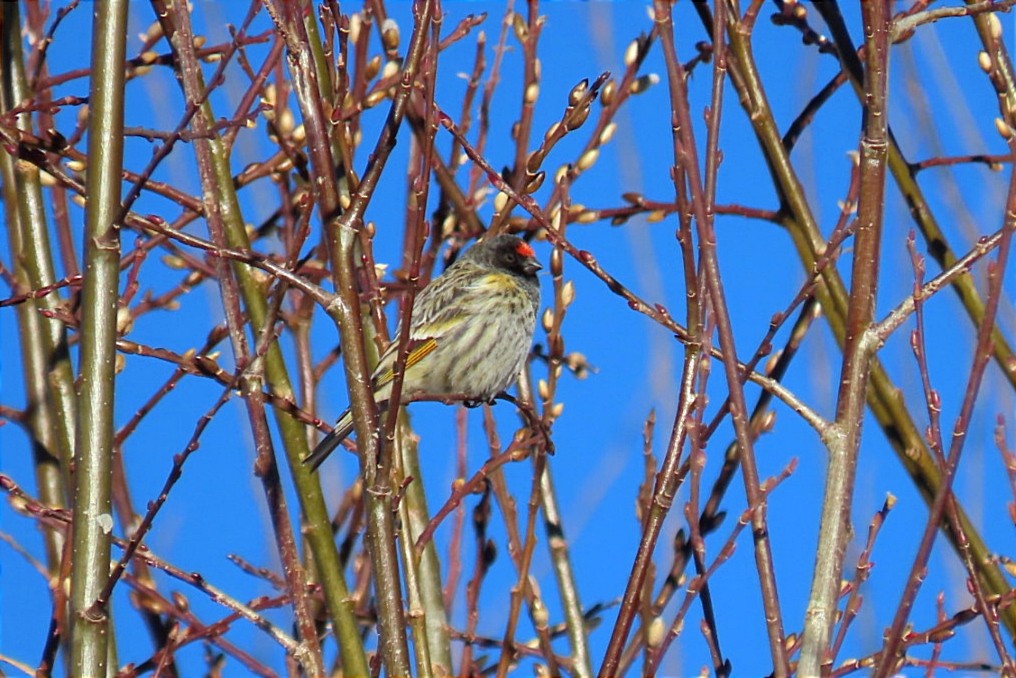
(217, 509)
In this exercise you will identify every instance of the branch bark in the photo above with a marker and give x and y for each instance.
(844, 437)
(92, 638)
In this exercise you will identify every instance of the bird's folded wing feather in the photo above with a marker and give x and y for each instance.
(418, 350)
(428, 327)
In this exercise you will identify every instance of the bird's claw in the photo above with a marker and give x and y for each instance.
(476, 403)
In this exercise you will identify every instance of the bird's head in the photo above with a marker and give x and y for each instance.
(508, 253)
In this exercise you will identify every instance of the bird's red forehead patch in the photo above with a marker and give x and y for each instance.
(523, 249)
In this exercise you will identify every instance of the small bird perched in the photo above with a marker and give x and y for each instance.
(469, 334)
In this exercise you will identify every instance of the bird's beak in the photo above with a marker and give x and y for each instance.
(531, 266)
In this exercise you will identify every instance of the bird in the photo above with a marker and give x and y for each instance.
(470, 332)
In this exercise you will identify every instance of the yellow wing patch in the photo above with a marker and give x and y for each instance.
(420, 351)
(417, 353)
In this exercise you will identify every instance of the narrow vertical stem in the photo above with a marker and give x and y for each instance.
(267, 468)
(423, 570)
(566, 581)
(91, 628)
(36, 257)
(668, 477)
(844, 437)
(557, 542)
(686, 157)
(34, 360)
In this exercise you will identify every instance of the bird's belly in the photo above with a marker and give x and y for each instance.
(477, 365)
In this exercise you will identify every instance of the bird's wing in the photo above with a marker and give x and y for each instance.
(438, 309)
(437, 313)
(418, 350)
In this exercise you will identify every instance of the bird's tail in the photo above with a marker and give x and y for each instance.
(343, 427)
